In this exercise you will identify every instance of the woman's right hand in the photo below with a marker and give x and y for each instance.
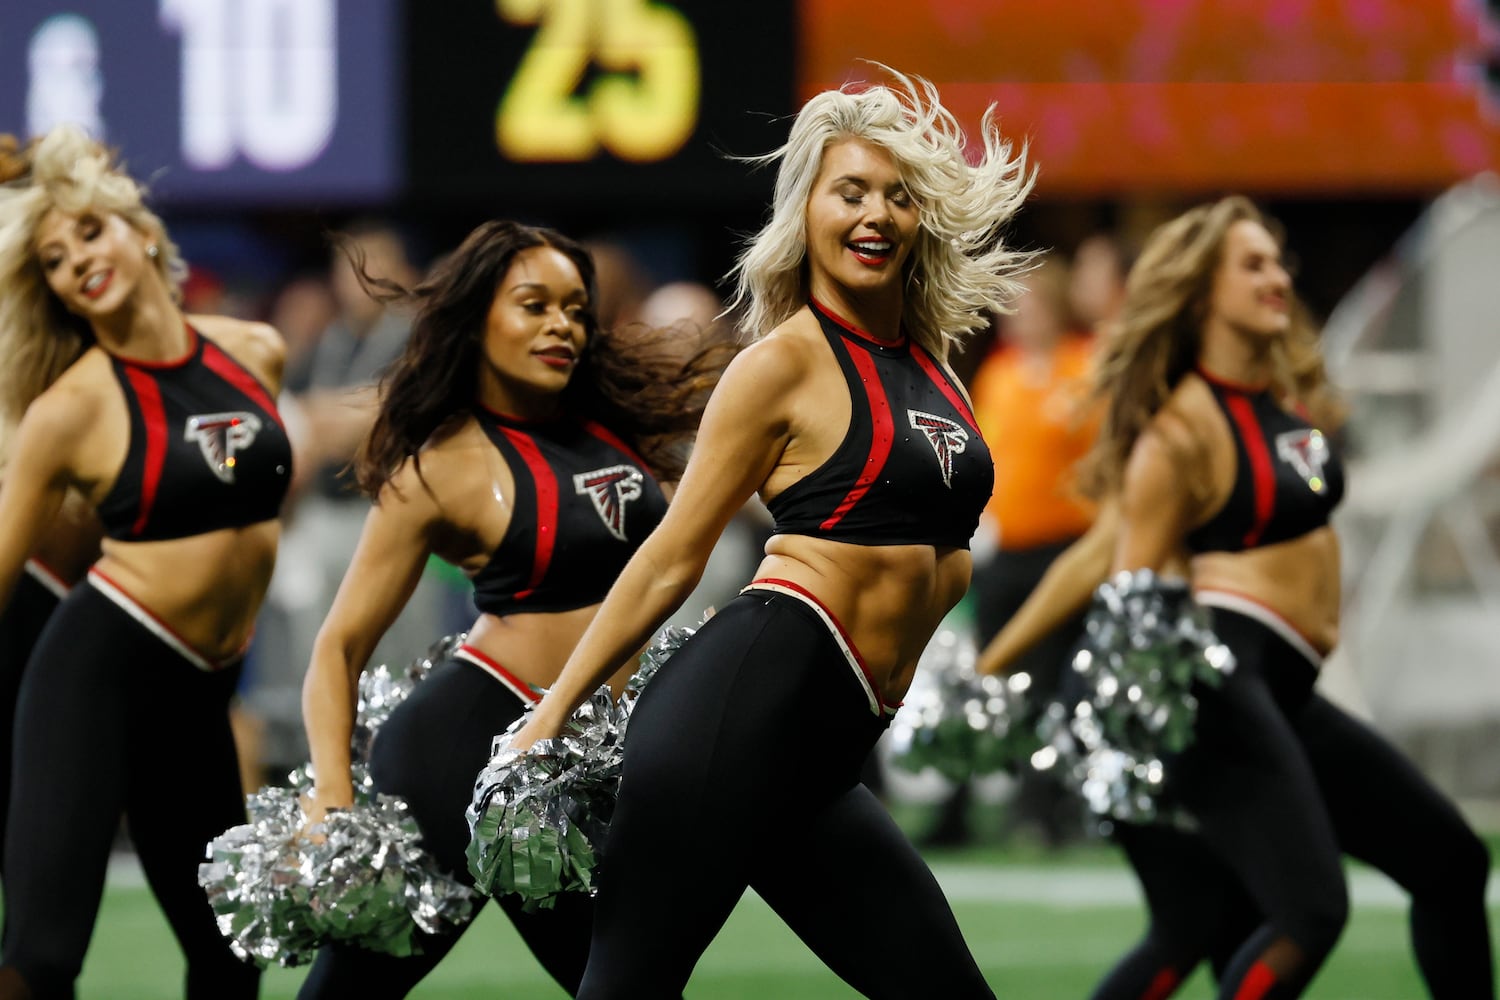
(326, 798)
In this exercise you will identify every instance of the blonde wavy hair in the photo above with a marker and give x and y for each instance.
(959, 270)
(1157, 338)
(68, 171)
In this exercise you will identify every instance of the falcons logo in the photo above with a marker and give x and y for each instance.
(610, 489)
(222, 436)
(1307, 453)
(946, 437)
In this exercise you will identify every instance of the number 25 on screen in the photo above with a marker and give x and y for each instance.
(642, 107)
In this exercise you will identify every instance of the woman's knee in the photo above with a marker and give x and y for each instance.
(1320, 921)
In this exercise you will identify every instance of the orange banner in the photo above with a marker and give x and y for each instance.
(1263, 95)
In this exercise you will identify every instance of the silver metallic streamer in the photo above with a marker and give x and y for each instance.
(538, 818)
(383, 687)
(1146, 643)
(280, 888)
(958, 722)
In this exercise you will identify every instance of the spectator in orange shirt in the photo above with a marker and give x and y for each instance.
(1029, 395)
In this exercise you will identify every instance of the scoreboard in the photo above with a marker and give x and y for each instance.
(595, 104)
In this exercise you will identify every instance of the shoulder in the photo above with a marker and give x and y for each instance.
(1176, 447)
(65, 412)
(782, 358)
(257, 346)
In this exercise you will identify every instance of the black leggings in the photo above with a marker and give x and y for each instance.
(110, 719)
(20, 626)
(1381, 810)
(742, 769)
(429, 752)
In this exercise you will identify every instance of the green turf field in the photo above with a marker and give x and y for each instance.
(1042, 928)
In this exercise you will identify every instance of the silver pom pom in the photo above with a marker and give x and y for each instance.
(958, 722)
(1147, 642)
(280, 889)
(538, 817)
(383, 687)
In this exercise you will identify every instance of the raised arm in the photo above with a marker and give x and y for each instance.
(745, 429)
(1063, 592)
(386, 567)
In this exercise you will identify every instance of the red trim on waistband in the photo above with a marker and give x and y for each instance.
(843, 633)
(510, 680)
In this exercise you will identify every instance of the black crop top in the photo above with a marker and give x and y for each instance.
(1287, 478)
(207, 448)
(912, 469)
(584, 502)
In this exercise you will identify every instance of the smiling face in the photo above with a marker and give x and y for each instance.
(861, 223)
(534, 333)
(93, 261)
(1252, 290)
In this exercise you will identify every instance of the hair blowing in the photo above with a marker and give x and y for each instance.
(1157, 338)
(638, 382)
(70, 172)
(959, 271)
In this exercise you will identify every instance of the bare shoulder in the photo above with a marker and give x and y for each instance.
(1183, 428)
(80, 394)
(783, 357)
(257, 346)
(446, 470)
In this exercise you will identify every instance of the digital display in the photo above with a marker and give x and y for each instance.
(216, 101)
(544, 102)
(1319, 96)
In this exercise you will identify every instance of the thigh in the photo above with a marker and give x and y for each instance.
(745, 725)
(68, 784)
(866, 903)
(1250, 786)
(21, 625)
(434, 745)
(1385, 811)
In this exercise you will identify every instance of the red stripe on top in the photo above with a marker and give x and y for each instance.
(230, 371)
(1257, 983)
(148, 397)
(1163, 986)
(856, 331)
(164, 365)
(614, 441)
(546, 506)
(924, 360)
(882, 437)
(1261, 468)
(520, 687)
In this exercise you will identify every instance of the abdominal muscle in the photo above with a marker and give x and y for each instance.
(1298, 580)
(206, 588)
(534, 647)
(888, 598)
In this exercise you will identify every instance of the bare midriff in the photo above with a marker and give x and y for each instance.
(1298, 580)
(888, 598)
(533, 647)
(206, 588)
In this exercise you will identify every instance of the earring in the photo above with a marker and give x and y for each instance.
(153, 251)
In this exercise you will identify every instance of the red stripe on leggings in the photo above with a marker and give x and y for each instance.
(1257, 983)
(1163, 986)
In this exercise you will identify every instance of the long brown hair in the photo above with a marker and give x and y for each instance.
(640, 384)
(1157, 338)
